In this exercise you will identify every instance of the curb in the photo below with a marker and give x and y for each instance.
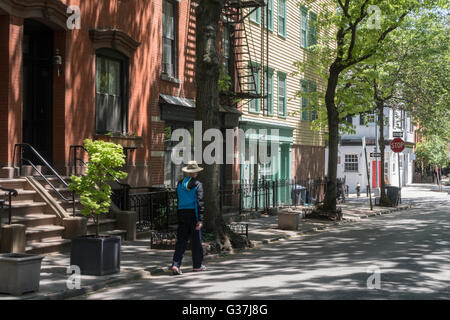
(118, 279)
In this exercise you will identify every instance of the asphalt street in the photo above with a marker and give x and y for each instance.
(404, 255)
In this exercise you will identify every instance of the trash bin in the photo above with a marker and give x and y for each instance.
(298, 194)
(393, 193)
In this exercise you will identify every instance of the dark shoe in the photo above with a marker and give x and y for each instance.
(176, 270)
(202, 268)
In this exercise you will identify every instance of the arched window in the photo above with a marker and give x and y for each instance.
(111, 78)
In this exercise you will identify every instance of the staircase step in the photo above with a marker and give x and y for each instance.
(20, 208)
(23, 195)
(55, 181)
(40, 233)
(48, 246)
(18, 183)
(34, 220)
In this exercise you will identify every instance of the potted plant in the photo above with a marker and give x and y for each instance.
(97, 254)
(20, 273)
(126, 140)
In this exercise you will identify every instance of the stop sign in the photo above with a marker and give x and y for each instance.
(397, 145)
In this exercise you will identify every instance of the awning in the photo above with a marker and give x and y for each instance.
(183, 110)
(178, 101)
(176, 109)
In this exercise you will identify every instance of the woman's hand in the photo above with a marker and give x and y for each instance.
(199, 225)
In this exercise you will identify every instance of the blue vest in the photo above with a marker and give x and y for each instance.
(187, 198)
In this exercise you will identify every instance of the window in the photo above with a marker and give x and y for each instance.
(255, 15)
(308, 28)
(351, 163)
(308, 104)
(255, 86)
(365, 119)
(282, 18)
(303, 27)
(398, 120)
(304, 101)
(349, 119)
(410, 125)
(268, 102)
(312, 101)
(312, 32)
(169, 39)
(268, 14)
(110, 91)
(281, 94)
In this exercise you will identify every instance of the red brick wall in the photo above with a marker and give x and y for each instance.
(11, 36)
(74, 89)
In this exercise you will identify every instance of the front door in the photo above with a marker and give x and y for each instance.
(38, 53)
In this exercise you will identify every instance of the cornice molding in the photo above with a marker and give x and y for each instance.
(115, 39)
(51, 12)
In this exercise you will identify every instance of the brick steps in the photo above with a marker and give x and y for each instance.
(43, 230)
(23, 195)
(48, 246)
(35, 220)
(23, 208)
(17, 183)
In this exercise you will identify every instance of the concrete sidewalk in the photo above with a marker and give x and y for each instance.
(138, 261)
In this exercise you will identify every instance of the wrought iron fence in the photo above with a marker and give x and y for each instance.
(157, 208)
(265, 194)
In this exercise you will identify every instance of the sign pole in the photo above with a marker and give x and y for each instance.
(399, 177)
(368, 179)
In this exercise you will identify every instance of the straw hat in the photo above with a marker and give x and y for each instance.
(192, 167)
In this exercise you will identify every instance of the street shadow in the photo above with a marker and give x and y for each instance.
(410, 248)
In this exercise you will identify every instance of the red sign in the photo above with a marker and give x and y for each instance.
(397, 145)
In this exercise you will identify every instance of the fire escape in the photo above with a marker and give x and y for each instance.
(245, 54)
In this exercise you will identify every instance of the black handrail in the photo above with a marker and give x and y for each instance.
(125, 186)
(41, 158)
(11, 192)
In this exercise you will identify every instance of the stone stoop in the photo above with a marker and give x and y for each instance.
(107, 224)
(43, 228)
(43, 233)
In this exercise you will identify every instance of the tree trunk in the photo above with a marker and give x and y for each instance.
(207, 110)
(384, 200)
(329, 204)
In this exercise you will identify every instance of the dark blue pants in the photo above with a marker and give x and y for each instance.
(186, 231)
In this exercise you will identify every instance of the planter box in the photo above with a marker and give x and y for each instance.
(20, 273)
(126, 142)
(96, 256)
(288, 220)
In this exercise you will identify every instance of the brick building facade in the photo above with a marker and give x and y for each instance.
(112, 73)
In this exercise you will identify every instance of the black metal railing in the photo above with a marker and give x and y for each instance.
(11, 193)
(264, 194)
(156, 208)
(22, 160)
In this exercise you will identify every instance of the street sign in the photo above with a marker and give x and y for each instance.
(375, 154)
(397, 145)
(397, 134)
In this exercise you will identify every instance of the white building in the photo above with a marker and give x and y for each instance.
(351, 157)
